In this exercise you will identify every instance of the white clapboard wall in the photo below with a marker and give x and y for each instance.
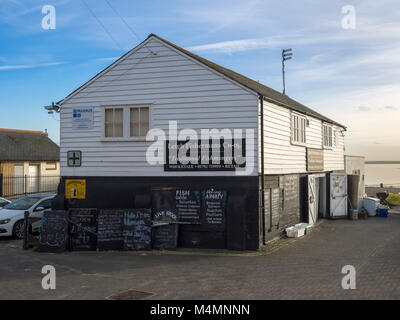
(175, 87)
(282, 157)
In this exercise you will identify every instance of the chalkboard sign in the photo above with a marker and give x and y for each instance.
(188, 205)
(291, 200)
(214, 203)
(165, 236)
(53, 231)
(137, 229)
(267, 207)
(110, 229)
(275, 206)
(290, 185)
(83, 229)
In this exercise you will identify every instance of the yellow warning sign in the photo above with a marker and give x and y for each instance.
(75, 189)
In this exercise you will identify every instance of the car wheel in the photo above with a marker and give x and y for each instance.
(18, 230)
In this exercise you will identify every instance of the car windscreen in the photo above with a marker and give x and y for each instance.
(3, 203)
(22, 204)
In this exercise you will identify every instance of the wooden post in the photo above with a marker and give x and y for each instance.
(1, 185)
(26, 230)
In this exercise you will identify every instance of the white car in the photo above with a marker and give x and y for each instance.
(3, 202)
(12, 215)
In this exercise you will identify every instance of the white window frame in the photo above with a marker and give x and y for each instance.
(294, 134)
(126, 122)
(327, 146)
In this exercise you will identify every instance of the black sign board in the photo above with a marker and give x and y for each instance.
(275, 206)
(83, 229)
(165, 236)
(53, 231)
(205, 155)
(188, 204)
(214, 202)
(137, 229)
(110, 229)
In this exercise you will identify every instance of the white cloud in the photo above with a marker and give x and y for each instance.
(29, 66)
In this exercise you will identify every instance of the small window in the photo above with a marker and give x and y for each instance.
(114, 122)
(299, 124)
(328, 136)
(51, 166)
(139, 122)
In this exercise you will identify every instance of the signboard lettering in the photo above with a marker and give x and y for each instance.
(214, 203)
(205, 156)
(82, 118)
(315, 159)
(188, 204)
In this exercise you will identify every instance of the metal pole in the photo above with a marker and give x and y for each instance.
(283, 73)
(26, 230)
(264, 238)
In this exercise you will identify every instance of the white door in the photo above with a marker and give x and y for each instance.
(312, 199)
(33, 179)
(338, 190)
(19, 179)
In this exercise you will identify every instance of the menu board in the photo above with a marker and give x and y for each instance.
(83, 229)
(267, 207)
(53, 231)
(290, 185)
(275, 206)
(165, 236)
(188, 205)
(291, 198)
(110, 230)
(214, 203)
(137, 229)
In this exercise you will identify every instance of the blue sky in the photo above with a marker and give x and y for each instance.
(350, 75)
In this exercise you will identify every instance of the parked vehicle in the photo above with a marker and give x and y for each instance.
(3, 202)
(12, 215)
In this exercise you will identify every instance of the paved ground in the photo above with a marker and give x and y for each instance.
(305, 268)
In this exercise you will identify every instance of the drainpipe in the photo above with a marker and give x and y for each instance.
(262, 172)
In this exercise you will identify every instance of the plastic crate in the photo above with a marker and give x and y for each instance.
(383, 212)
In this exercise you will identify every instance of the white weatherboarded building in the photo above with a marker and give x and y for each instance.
(107, 119)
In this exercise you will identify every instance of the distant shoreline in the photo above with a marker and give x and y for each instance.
(382, 162)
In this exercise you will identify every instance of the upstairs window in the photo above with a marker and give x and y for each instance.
(298, 129)
(114, 119)
(328, 136)
(139, 121)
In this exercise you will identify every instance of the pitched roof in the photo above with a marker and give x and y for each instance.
(268, 93)
(24, 145)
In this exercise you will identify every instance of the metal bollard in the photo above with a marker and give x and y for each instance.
(26, 230)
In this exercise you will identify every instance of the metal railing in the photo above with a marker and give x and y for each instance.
(14, 187)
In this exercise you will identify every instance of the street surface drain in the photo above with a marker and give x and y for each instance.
(130, 295)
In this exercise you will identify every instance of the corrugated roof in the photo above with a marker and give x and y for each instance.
(23, 145)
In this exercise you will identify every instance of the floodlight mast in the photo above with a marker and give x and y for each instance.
(54, 107)
(287, 54)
